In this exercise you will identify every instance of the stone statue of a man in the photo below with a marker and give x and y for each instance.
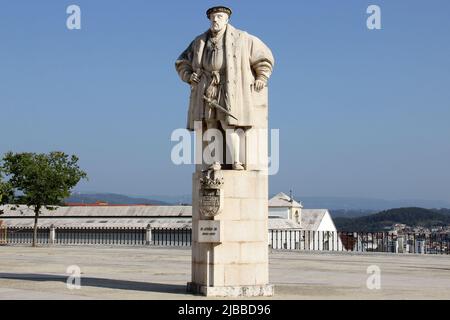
(227, 69)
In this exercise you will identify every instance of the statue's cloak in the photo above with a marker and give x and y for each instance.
(247, 58)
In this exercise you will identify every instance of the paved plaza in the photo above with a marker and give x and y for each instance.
(162, 273)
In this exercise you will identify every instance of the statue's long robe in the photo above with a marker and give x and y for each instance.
(247, 59)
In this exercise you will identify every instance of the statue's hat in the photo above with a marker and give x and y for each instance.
(219, 9)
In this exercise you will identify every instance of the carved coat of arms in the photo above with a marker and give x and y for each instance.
(211, 196)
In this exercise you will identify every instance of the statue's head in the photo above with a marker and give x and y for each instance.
(219, 17)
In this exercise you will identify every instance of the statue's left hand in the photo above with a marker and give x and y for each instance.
(259, 85)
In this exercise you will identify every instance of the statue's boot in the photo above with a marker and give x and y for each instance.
(238, 166)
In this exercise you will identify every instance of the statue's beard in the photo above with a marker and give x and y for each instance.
(215, 28)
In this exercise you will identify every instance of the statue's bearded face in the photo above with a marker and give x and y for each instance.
(219, 21)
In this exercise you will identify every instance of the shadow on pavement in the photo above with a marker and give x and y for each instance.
(100, 282)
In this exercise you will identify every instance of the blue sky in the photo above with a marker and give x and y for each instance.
(361, 113)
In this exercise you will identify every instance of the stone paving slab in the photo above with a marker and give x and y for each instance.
(162, 273)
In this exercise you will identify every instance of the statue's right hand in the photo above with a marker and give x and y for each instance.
(194, 79)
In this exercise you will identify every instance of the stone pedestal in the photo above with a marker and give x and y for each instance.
(230, 249)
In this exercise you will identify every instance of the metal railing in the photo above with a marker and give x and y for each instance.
(3, 236)
(388, 242)
(172, 237)
(101, 236)
(25, 235)
(302, 240)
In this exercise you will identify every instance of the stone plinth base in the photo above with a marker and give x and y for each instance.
(230, 249)
(238, 291)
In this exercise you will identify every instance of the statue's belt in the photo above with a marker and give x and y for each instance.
(215, 77)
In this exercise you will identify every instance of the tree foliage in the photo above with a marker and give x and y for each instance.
(41, 180)
(6, 191)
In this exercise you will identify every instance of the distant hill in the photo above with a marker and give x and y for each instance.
(367, 204)
(442, 211)
(173, 199)
(345, 213)
(413, 217)
(110, 198)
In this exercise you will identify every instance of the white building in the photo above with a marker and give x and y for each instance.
(282, 206)
(310, 229)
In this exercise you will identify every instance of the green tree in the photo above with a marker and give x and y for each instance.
(6, 192)
(41, 180)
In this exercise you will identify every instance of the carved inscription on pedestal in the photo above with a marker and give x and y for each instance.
(209, 231)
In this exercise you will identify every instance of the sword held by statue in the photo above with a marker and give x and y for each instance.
(214, 104)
